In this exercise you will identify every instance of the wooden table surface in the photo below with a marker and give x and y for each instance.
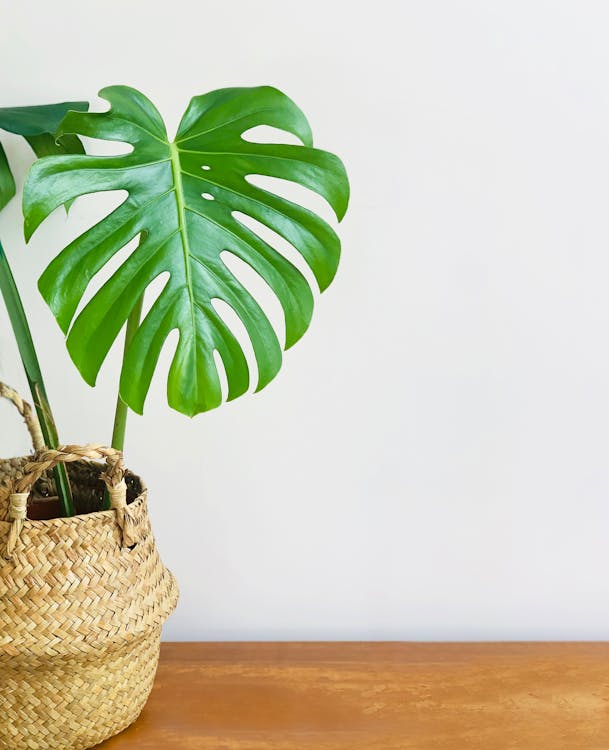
(369, 696)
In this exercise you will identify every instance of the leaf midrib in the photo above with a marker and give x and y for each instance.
(176, 171)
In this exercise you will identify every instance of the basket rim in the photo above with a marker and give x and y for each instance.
(98, 515)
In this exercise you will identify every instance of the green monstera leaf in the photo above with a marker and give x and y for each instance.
(7, 181)
(38, 125)
(182, 197)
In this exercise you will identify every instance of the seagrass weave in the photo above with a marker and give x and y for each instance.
(82, 604)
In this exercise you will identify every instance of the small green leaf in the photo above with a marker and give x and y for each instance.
(38, 125)
(182, 198)
(7, 183)
(37, 120)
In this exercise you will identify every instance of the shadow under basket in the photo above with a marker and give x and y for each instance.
(82, 604)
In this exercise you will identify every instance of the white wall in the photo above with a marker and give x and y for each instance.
(432, 461)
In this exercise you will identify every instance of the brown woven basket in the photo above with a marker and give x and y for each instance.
(82, 601)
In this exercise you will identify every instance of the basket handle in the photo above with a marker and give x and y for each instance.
(28, 414)
(114, 477)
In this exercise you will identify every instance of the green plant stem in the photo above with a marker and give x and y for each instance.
(31, 365)
(122, 410)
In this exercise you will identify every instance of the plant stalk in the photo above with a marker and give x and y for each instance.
(31, 366)
(122, 410)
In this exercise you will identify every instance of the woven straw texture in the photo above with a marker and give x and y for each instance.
(80, 611)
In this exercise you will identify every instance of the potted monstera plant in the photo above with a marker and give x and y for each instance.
(83, 596)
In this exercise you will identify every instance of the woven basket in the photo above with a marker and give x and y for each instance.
(82, 601)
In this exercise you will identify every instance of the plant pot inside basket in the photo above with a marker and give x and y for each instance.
(88, 492)
(43, 508)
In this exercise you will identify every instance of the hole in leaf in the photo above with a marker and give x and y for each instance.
(233, 321)
(206, 167)
(208, 196)
(269, 134)
(157, 395)
(111, 363)
(83, 206)
(153, 291)
(259, 290)
(103, 147)
(219, 362)
(282, 246)
(296, 193)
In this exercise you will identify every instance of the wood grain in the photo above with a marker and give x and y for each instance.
(373, 696)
